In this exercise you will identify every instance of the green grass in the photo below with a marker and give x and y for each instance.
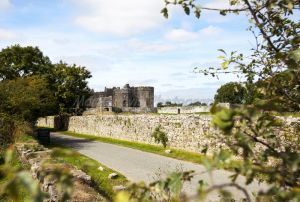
(25, 139)
(176, 153)
(100, 179)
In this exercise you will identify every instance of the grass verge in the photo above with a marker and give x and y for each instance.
(176, 153)
(100, 179)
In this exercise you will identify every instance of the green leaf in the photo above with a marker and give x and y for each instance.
(290, 5)
(295, 55)
(165, 13)
(223, 51)
(225, 64)
(186, 10)
(197, 12)
(223, 12)
(176, 183)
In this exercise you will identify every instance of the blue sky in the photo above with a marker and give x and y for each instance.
(128, 41)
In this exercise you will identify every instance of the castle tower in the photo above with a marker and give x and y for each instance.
(145, 95)
(122, 97)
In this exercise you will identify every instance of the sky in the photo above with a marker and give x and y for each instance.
(129, 41)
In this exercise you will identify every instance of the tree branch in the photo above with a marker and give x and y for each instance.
(226, 10)
(253, 13)
(221, 186)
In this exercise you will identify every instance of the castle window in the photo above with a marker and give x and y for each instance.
(124, 103)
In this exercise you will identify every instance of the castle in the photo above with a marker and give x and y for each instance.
(126, 99)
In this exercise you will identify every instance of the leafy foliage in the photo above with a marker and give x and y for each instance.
(233, 93)
(169, 189)
(169, 104)
(26, 98)
(66, 83)
(15, 178)
(69, 83)
(17, 61)
(31, 87)
(268, 145)
(160, 136)
(23, 100)
(197, 104)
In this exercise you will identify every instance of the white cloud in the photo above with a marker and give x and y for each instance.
(7, 35)
(4, 4)
(180, 35)
(150, 47)
(119, 17)
(220, 4)
(211, 31)
(214, 16)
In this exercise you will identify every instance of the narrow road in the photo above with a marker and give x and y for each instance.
(142, 166)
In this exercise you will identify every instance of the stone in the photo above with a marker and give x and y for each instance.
(168, 151)
(101, 168)
(112, 175)
(119, 188)
(81, 176)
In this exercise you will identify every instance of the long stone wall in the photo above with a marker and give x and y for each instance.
(183, 110)
(185, 131)
(188, 132)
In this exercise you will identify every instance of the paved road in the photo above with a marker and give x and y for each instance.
(142, 166)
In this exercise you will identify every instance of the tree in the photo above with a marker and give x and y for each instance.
(233, 93)
(197, 104)
(160, 104)
(28, 98)
(17, 61)
(23, 101)
(285, 87)
(275, 61)
(268, 146)
(170, 104)
(70, 85)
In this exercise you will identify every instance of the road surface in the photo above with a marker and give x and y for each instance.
(139, 166)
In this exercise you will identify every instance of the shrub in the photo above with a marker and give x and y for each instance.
(160, 136)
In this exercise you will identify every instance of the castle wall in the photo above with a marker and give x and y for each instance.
(189, 132)
(186, 131)
(183, 110)
(145, 96)
(118, 95)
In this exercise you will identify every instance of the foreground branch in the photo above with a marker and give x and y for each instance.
(221, 186)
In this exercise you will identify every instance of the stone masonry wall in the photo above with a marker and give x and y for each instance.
(188, 132)
(185, 131)
(183, 110)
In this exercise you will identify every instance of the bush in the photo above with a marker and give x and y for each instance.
(160, 136)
